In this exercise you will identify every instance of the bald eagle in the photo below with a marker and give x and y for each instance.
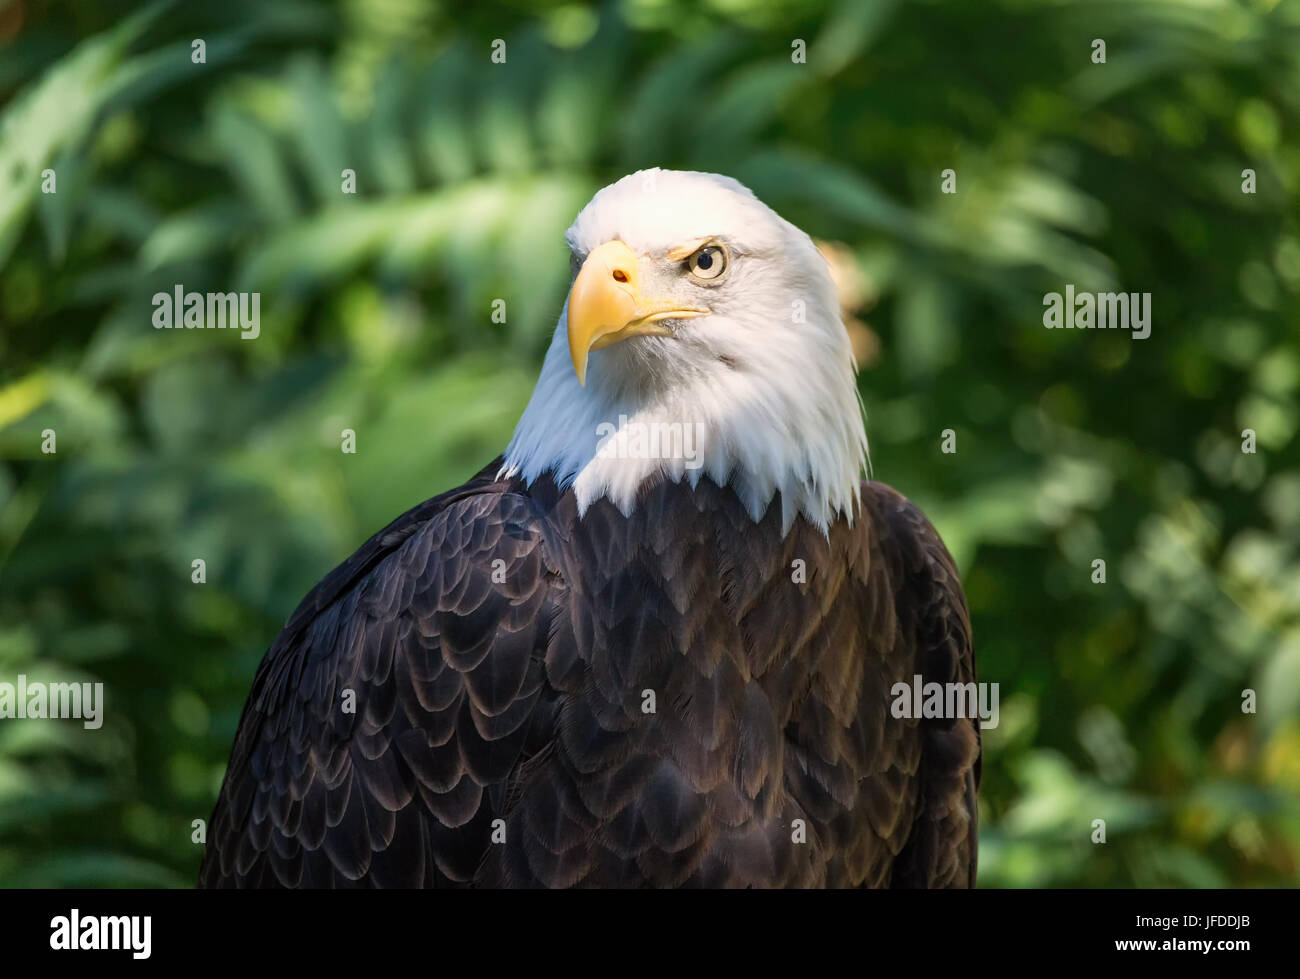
(654, 643)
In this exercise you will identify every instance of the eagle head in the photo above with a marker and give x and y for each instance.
(701, 337)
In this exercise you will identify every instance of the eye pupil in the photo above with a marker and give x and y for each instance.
(710, 262)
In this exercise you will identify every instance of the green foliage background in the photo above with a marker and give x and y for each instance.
(1119, 701)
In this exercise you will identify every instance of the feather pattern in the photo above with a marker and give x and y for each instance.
(543, 699)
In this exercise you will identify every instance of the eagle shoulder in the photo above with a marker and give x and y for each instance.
(934, 622)
(388, 716)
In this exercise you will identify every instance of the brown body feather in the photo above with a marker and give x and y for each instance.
(500, 651)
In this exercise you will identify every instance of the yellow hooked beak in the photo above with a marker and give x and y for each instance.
(606, 305)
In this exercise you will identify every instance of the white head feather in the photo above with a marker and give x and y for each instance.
(766, 378)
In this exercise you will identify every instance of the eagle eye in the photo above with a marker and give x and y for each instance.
(708, 263)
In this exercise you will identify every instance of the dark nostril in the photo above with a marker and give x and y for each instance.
(620, 275)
